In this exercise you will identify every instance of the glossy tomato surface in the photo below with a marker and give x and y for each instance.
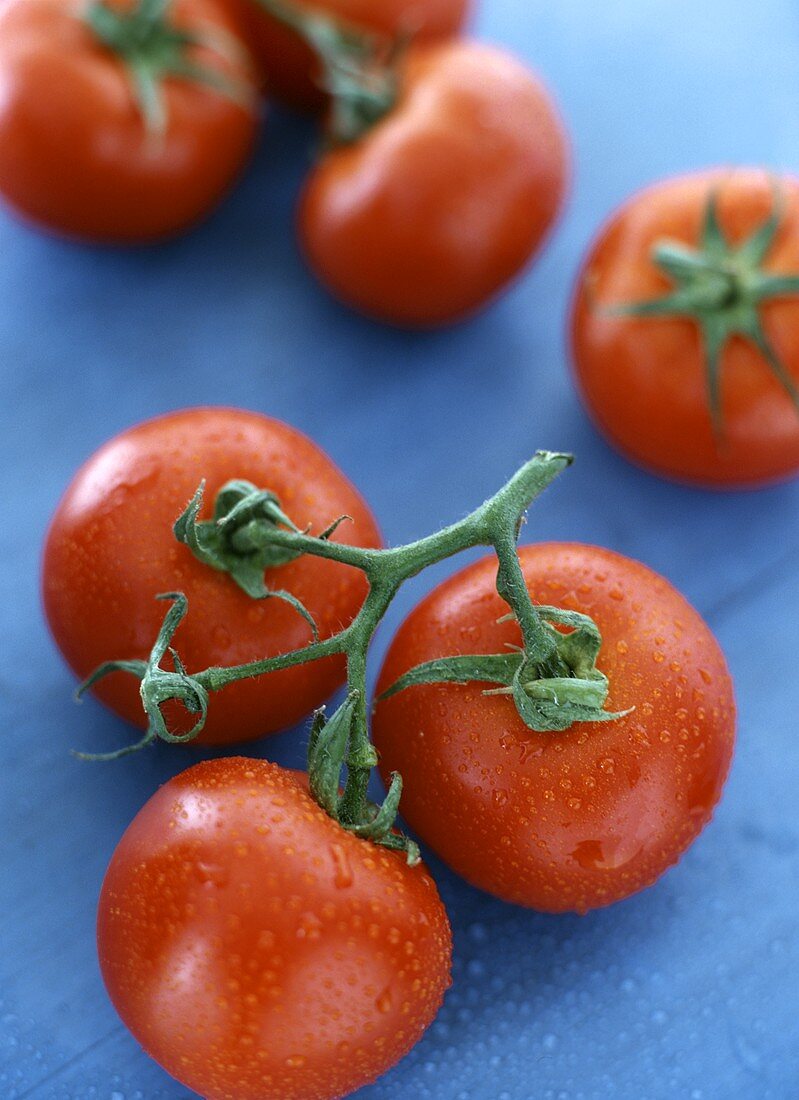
(75, 156)
(290, 71)
(110, 551)
(258, 951)
(574, 820)
(643, 380)
(444, 201)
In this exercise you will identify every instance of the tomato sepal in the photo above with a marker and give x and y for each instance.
(158, 686)
(234, 541)
(153, 49)
(721, 287)
(333, 743)
(360, 71)
(545, 703)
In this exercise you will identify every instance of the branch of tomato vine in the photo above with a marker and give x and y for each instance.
(552, 678)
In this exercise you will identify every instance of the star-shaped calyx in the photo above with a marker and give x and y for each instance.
(721, 286)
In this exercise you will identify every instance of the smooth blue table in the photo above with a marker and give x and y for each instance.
(689, 990)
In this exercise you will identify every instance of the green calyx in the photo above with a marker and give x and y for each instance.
(238, 540)
(545, 702)
(551, 678)
(721, 287)
(330, 743)
(158, 686)
(154, 50)
(360, 71)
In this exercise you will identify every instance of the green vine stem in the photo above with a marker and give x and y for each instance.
(552, 679)
(359, 70)
(153, 49)
(721, 287)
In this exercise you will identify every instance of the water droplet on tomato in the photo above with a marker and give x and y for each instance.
(342, 875)
(212, 874)
(309, 927)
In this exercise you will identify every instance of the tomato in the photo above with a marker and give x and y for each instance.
(82, 162)
(291, 72)
(256, 950)
(436, 208)
(110, 551)
(704, 390)
(574, 820)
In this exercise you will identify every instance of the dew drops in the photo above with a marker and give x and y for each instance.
(309, 927)
(342, 871)
(212, 874)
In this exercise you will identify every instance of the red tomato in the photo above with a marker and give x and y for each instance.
(110, 550)
(292, 73)
(75, 155)
(574, 820)
(434, 210)
(256, 950)
(646, 379)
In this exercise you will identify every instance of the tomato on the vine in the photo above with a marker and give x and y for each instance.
(432, 210)
(256, 949)
(111, 550)
(571, 820)
(686, 328)
(290, 70)
(120, 121)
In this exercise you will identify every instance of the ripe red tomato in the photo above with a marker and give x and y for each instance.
(256, 950)
(75, 154)
(435, 209)
(110, 550)
(648, 380)
(574, 820)
(292, 73)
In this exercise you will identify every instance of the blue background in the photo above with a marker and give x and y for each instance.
(689, 990)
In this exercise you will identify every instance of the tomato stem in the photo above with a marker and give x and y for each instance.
(359, 70)
(552, 679)
(153, 50)
(721, 287)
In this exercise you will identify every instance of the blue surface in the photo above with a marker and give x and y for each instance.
(689, 990)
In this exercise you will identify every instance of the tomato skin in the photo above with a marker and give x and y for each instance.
(643, 380)
(292, 74)
(574, 820)
(256, 950)
(442, 203)
(110, 551)
(81, 163)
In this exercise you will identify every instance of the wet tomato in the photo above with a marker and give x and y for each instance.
(80, 154)
(256, 950)
(435, 209)
(574, 820)
(110, 551)
(685, 328)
